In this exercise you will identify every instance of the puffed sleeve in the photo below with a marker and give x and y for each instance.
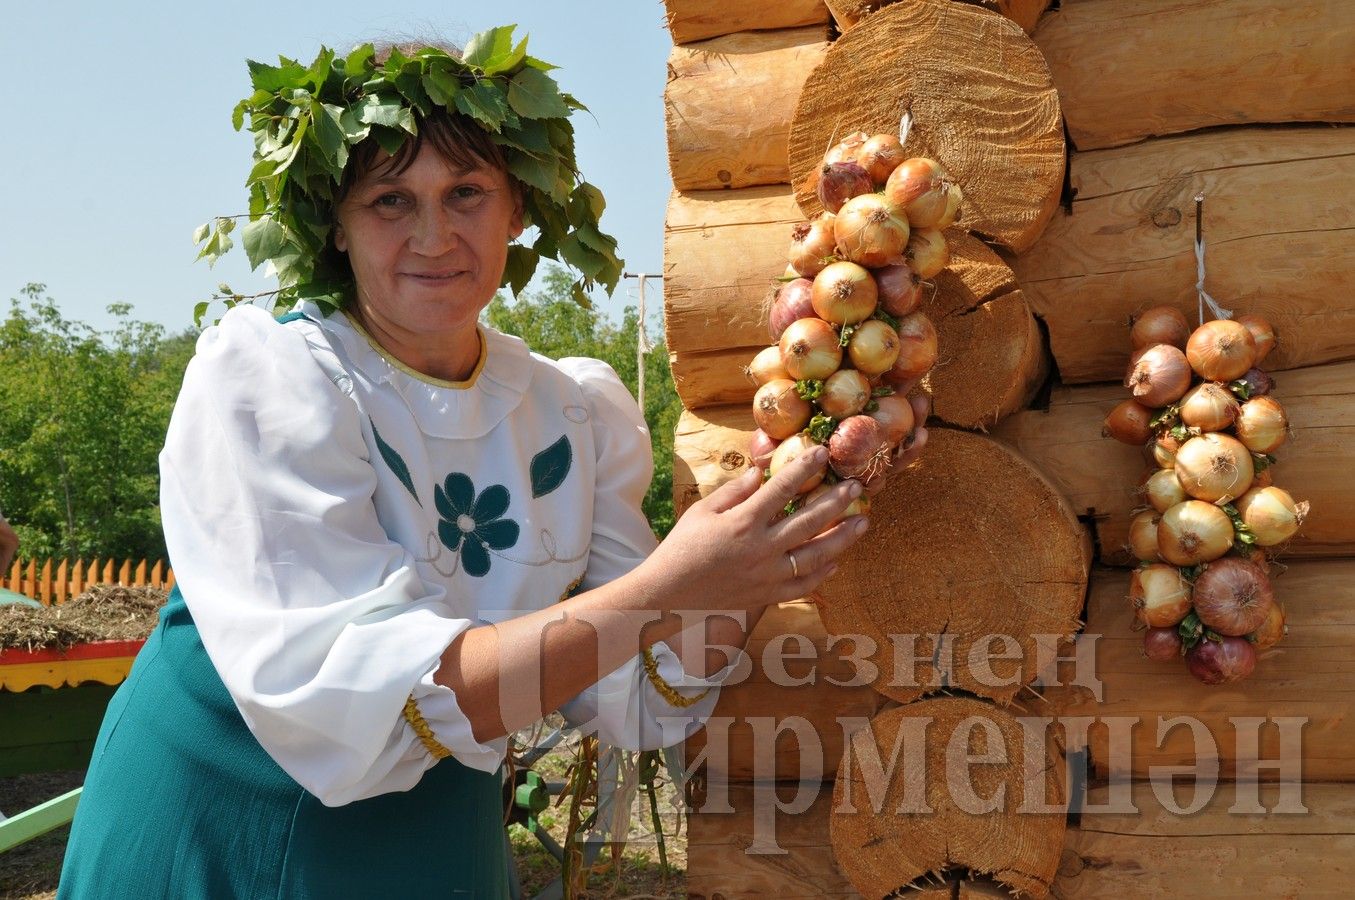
(650, 701)
(316, 621)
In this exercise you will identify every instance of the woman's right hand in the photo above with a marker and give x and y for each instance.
(733, 550)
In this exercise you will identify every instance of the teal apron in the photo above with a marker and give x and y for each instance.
(181, 802)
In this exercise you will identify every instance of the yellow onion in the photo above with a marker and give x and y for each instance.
(1160, 377)
(1163, 490)
(1161, 597)
(858, 507)
(895, 415)
(812, 245)
(1209, 407)
(844, 293)
(870, 232)
(873, 347)
(848, 149)
(786, 452)
(779, 410)
(1262, 425)
(1271, 630)
(880, 155)
(1194, 532)
(917, 349)
(1214, 467)
(1128, 423)
(845, 393)
(810, 349)
(1163, 450)
(1271, 514)
(1262, 334)
(767, 366)
(1159, 325)
(927, 252)
(1233, 597)
(1221, 350)
(1143, 536)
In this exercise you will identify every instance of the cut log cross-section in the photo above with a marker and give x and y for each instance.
(696, 20)
(729, 103)
(982, 102)
(1026, 13)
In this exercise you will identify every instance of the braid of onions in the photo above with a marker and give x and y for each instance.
(851, 341)
(1211, 516)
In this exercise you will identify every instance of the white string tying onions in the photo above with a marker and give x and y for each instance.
(1205, 300)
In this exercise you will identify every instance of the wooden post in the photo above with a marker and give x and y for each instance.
(78, 578)
(157, 574)
(140, 577)
(31, 579)
(108, 572)
(125, 573)
(169, 580)
(46, 595)
(62, 582)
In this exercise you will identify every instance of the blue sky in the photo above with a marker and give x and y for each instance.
(118, 140)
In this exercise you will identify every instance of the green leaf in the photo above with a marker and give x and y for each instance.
(529, 136)
(483, 103)
(263, 239)
(274, 78)
(358, 63)
(821, 428)
(493, 50)
(809, 388)
(329, 131)
(377, 110)
(441, 83)
(395, 462)
(200, 310)
(587, 193)
(520, 267)
(550, 466)
(580, 257)
(576, 290)
(534, 95)
(200, 233)
(539, 173)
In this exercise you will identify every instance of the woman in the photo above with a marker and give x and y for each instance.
(398, 537)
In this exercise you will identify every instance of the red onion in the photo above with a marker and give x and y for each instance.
(1162, 644)
(917, 349)
(794, 300)
(760, 449)
(858, 448)
(1233, 596)
(899, 289)
(1221, 662)
(895, 414)
(1258, 383)
(840, 182)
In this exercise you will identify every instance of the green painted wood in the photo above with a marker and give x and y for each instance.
(39, 820)
(49, 730)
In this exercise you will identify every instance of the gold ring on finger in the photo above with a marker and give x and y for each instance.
(794, 566)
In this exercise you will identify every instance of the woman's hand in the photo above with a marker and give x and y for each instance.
(735, 550)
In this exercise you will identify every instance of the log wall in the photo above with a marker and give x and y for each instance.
(696, 20)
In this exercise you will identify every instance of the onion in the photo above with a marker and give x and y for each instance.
(840, 182)
(1233, 596)
(1271, 514)
(779, 410)
(1194, 532)
(845, 393)
(919, 187)
(1162, 644)
(1254, 555)
(1164, 450)
(788, 450)
(767, 366)
(895, 415)
(1164, 490)
(1263, 478)
(760, 449)
(869, 232)
(1214, 467)
(810, 349)
(899, 289)
(873, 347)
(927, 252)
(880, 155)
(794, 300)
(1160, 377)
(1128, 423)
(1143, 536)
(1270, 631)
(811, 245)
(844, 294)
(1221, 350)
(1161, 597)
(917, 349)
(848, 149)
(954, 200)
(1209, 407)
(1262, 334)
(860, 506)
(1159, 325)
(1222, 661)
(858, 448)
(1258, 383)
(1262, 425)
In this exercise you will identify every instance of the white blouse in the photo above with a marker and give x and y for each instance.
(335, 521)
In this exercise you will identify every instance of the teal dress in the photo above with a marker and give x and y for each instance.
(182, 802)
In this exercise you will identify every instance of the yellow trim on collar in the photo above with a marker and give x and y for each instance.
(416, 374)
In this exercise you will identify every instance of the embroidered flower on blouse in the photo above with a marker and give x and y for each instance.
(470, 523)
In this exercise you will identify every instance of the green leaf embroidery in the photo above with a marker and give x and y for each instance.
(550, 466)
(396, 463)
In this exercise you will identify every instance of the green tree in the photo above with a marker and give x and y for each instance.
(554, 325)
(82, 418)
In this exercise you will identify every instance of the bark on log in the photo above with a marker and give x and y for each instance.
(723, 252)
(697, 20)
(909, 806)
(849, 13)
(1197, 65)
(790, 715)
(982, 101)
(1306, 675)
(1277, 229)
(728, 106)
(1098, 475)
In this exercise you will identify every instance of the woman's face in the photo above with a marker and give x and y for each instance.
(428, 245)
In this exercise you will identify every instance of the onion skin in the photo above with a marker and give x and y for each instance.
(794, 300)
(899, 289)
(1161, 597)
(1233, 596)
(848, 149)
(1143, 536)
(927, 251)
(845, 393)
(779, 410)
(844, 294)
(1162, 644)
(1194, 532)
(1163, 490)
(767, 366)
(840, 182)
(1128, 423)
(873, 348)
(895, 415)
(1163, 450)
(760, 449)
(1271, 514)
(1209, 407)
(1214, 467)
(812, 246)
(1271, 630)
(920, 188)
(1258, 383)
(1262, 425)
(858, 448)
(1159, 325)
(918, 349)
(810, 349)
(869, 232)
(1221, 350)
(1160, 377)
(880, 155)
(788, 450)
(1221, 662)
(1262, 334)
